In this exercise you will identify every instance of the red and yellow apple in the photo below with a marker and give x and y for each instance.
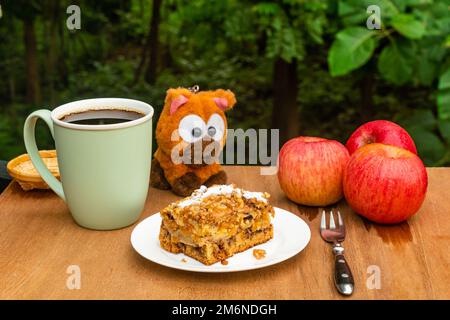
(385, 184)
(380, 131)
(310, 170)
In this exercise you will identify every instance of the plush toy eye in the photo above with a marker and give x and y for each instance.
(211, 131)
(216, 127)
(192, 128)
(196, 132)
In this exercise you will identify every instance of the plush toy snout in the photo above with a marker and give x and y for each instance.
(201, 153)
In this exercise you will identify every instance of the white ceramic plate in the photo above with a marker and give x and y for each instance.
(291, 235)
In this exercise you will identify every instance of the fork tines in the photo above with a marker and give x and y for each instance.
(332, 226)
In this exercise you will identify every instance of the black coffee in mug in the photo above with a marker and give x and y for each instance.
(101, 116)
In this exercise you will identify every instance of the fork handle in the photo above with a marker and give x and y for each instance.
(343, 278)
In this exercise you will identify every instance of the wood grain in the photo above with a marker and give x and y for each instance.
(39, 240)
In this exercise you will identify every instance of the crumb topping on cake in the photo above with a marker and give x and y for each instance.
(203, 192)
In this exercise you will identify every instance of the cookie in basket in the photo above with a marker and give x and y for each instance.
(23, 171)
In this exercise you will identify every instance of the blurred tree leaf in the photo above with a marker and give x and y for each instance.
(444, 129)
(23, 9)
(412, 3)
(427, 58)
(421, 118)
(314, 26)
(388, 8)
(436, 17)
(351, 49)
(426, 71)
(430, 148)
(434, 50)
(267, 8)
(394, 63)
(408, 25)
(283, 41)
(355, 11)
(424, 128)
(411, 55)
(443, 98)
(351, 12)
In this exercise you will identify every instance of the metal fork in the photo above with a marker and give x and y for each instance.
(343, 278)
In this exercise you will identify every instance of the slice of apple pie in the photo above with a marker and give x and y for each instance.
(215, 223)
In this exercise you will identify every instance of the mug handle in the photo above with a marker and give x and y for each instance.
(30, 145)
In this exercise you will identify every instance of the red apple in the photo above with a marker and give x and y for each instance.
(385, 184)
(380, 131)
(310, 170)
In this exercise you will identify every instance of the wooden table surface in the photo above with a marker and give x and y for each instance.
(39, 241)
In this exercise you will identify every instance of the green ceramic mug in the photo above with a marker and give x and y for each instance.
(104, 169)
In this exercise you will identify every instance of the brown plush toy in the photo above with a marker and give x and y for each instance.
(190, 133)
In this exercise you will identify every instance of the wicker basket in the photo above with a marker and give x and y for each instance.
(23, 171)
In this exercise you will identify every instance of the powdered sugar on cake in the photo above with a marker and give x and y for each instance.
(223, 189)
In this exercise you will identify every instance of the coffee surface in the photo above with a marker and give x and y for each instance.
(100, 117)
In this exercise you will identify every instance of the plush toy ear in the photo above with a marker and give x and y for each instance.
(224, 99)
(175, 98)
(176, 103)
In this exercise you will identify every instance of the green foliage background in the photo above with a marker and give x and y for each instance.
(233, 44)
